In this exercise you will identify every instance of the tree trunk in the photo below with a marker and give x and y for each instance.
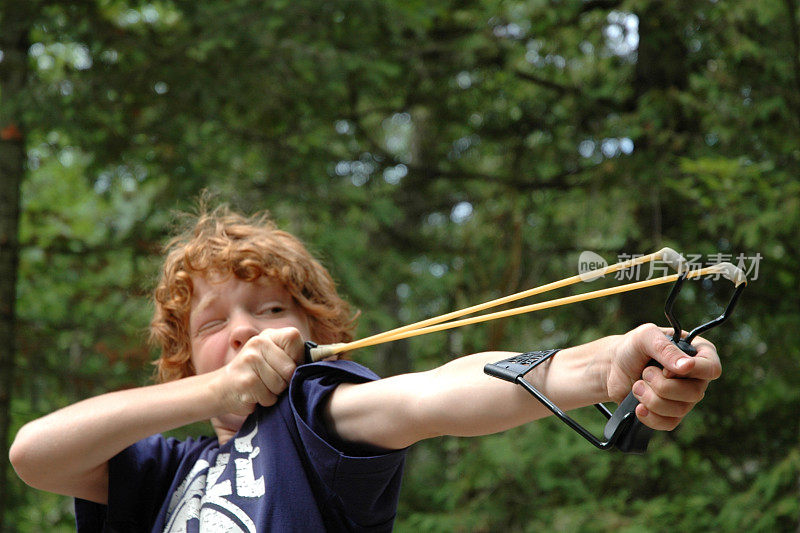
(13, 74)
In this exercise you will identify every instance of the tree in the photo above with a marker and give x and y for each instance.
(13, 74)
(435, 156)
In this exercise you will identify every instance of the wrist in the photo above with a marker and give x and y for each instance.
(578, 376)
(220, 400)
(192, 398)
(606, 355)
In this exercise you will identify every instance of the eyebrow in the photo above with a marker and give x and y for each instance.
(206, 302)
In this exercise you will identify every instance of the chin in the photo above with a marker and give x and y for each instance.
(229, 422)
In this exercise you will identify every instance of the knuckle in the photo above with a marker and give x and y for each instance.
(278, 388)
(288, 369)
(659, 391)
(656, 380)
(268, 399)
(292, 333)
(716, 370)
(248, 381)
(650, 400)
(700, 393)
(277, 380)
(267, 338)
(705, 341)
(286, 335)
(646, 331)
(684, 408)
(257, 340)
(250, 357)
(649, 327)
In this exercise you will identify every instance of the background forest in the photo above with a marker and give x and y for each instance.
(433, 155)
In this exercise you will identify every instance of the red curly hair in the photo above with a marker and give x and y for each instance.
(228, 243)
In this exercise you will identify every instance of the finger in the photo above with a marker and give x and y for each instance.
(670, 334)
(706, 362)
(658, 404)
(248, 388)
(655, 421)
(678, 389)
(264, 396)
(276, 347)
(260, 375)
(290, 341)
(276, 368)
(654, 343)
(708, 365)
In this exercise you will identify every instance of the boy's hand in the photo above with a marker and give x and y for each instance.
(259, 372)
(667, 394)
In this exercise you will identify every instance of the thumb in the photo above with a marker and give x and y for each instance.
(672, 358)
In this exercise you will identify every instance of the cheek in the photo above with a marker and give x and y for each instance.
(303, 325)
(295, 320)
(209, 354)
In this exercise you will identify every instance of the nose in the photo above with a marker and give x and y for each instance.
(242, 330)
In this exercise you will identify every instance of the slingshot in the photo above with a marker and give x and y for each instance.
(623, 430)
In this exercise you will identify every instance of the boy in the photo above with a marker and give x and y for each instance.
(298, 448)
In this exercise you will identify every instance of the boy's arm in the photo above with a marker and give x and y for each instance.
(67, 452)
(459, 399)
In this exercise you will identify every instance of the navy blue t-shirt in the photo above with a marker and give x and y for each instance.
(282, 471)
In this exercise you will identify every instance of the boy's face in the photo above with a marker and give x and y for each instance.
(227, 312)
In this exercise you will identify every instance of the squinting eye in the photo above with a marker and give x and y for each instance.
(209, 326)
(272, 310)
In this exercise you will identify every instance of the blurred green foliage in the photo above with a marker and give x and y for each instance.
(436, 155)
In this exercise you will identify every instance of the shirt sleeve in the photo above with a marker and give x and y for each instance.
(364, 480)
(139, 478)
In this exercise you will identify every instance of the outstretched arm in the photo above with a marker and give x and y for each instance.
(459, 399)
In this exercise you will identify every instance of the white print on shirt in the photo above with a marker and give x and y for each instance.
(200, 501)
(246, 485)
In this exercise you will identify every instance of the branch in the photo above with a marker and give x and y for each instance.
(461, 174)
(561, 89)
